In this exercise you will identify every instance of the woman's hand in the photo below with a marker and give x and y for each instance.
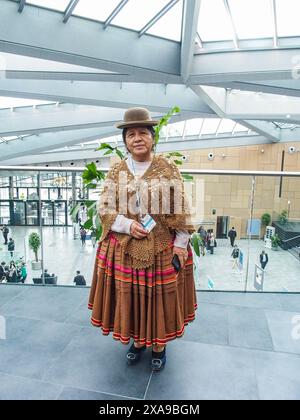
(182, 255)
(137, 231)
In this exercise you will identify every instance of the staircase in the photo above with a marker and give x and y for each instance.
(290, 237)
(295, 252)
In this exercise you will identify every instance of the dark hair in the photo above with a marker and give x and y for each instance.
(77, 272)
(149, 128)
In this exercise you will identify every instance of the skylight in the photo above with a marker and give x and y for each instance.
(288, 12)
(169, 26)
(136, 13)
(214, 24)
(96, 9)
(59, 5)
(252, 18)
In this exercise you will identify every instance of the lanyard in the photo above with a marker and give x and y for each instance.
(138, 199)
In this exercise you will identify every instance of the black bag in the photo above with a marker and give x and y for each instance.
(176, 263)
(236, 253)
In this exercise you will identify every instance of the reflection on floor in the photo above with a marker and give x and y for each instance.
(282, 274)
(63, 255)
(240, 347)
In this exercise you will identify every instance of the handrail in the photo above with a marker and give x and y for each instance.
(183, 171)
(292, 239)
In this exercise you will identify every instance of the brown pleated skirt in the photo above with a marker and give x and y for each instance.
(152, 306)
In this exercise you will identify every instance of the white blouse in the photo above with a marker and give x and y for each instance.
(122, 224)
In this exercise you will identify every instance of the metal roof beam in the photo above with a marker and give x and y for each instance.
(50, 141)
(230, 17)
(191, 143)
(263, 128)
(157, 97)
(21, 5)
(242, 66)
(189, 33)
(115, 12)
(40, 33)
(69, 10)
(275, 22)
(52, 118)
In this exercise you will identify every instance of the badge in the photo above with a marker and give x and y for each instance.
(148, 223)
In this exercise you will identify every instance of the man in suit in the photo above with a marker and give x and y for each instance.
(79, 280)
(264, 259)
(232, 236)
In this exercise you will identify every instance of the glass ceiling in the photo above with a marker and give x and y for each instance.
(134, 15)
(196, 127)
(248, 19)
(219, 20)
(59, 5)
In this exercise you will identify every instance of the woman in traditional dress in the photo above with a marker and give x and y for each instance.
(137, 292)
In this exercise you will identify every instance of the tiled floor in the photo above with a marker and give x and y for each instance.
(240, 347)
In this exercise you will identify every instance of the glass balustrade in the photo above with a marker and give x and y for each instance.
(262, 255)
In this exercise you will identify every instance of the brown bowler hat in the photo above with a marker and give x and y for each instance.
(137, 117)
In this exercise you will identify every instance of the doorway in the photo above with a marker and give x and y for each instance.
(222, 227)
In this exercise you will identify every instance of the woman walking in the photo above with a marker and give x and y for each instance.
(136, 291)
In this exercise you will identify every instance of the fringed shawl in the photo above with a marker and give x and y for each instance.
(143, 251)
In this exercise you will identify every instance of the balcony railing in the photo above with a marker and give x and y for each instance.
(230, 198)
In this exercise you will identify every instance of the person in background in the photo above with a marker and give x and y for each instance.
(212, 243)
(12, 274)
(5, 232)
(23, 272)
(232, 236)
(264, 259)
(79, 280)
(235, 255)
(83, 235)
(203, 236)
(11, 247)
(46, 274)
(93, 238)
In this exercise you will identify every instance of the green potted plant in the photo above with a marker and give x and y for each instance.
(34, 245)
(276, 241)
(266, 219)
(283, 217)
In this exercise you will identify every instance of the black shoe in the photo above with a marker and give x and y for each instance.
(134, 354)
(158, 360)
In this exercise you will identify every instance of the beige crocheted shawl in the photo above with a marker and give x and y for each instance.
(143, 251)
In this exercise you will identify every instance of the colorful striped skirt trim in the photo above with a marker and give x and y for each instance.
(151, 306)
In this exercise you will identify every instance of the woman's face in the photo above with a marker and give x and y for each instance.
(139, 142)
